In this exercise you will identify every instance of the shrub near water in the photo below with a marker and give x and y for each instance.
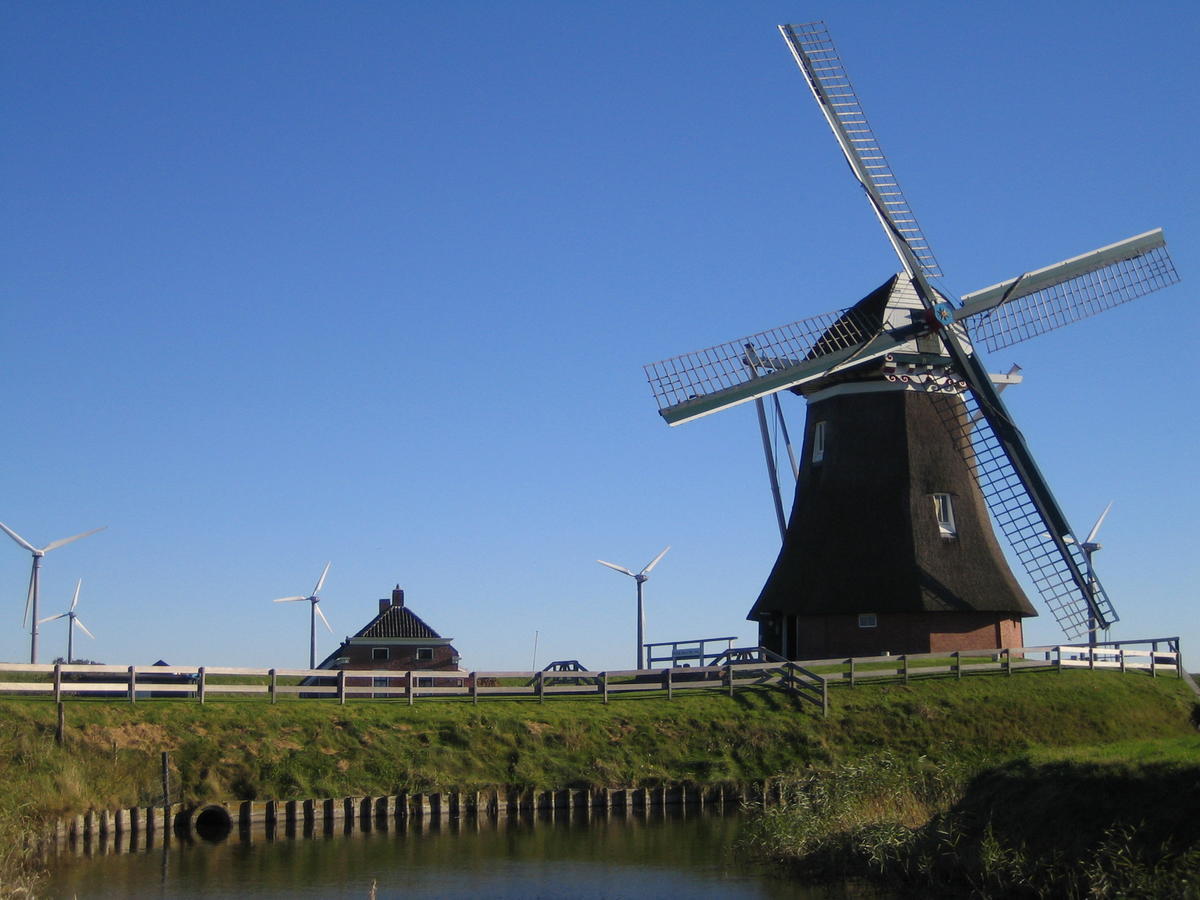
(1017, 828)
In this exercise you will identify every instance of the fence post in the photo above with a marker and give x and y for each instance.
(1091, 658)
(200, 684)
(851, 661)
(341, 686)
(1154, 661)
(132, 685)
(274, 680)
(604, 685)
(905, 668)
(475, 688)
(1058, 659)
(729, 676)
(1008, 660)
(541, 686)
(1121, 658)
(408, 687)
(824, 698)
(58, 678)
(957, 654)
(1178, 659)
(667, 681)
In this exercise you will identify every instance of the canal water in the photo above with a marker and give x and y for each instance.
(588, 855)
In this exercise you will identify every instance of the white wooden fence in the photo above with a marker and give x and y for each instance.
(810, 679)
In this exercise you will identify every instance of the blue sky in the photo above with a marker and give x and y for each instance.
(374, 283)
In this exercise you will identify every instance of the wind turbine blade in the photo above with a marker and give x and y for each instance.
(28, 598)
(317, 607)
(20, 540)
(51, 618)
(651, 565)
(84, 628)
(288, 599)
(321, 580)
(56, 544)
(75, 599)
(1096, 528)
(618, 568)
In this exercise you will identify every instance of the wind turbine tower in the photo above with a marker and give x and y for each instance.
(74, 621)
(640, 578)
(314, 611)
(31, 599)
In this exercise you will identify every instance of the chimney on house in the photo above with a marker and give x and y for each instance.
(397, 599)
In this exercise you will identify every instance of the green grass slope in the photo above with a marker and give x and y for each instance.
(251, 750)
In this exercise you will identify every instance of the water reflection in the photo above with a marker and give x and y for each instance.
(588, 853)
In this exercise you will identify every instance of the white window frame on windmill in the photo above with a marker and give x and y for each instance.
(943, 510)
(818, 442)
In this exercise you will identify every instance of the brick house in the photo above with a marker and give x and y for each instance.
(396, 639)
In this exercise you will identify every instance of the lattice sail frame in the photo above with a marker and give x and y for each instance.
(818, 59)
(1047, 303)
(715, 369)
(1013, 511)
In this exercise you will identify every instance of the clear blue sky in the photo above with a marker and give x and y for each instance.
(374, 283)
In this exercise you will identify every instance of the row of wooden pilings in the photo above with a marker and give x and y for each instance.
(148, 825)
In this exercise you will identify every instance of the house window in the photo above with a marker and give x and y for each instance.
(818, 442)
(943, 507)
(867, 620)
(379, 653)
(425, 653)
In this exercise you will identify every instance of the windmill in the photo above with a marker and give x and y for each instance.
(908, 449)
(73, 622)
(314, 610)
(31, 598)
(641, 578)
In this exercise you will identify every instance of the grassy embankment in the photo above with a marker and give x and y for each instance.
(240, 749)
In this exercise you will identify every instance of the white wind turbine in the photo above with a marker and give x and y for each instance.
(1089, 546)
(31, 599)
(640, 577)
(314, 611)
(74, 622)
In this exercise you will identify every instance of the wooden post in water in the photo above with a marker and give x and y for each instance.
(166, 779)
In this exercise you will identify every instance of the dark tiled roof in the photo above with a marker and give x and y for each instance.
(397, 622)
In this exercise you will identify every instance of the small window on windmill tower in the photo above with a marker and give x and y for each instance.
(943, 507)
(867, 620)
(818, 442)
(379, 653)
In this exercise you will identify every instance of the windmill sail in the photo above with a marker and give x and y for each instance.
(1046, 299)
(822, 67)
(1027, 531)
